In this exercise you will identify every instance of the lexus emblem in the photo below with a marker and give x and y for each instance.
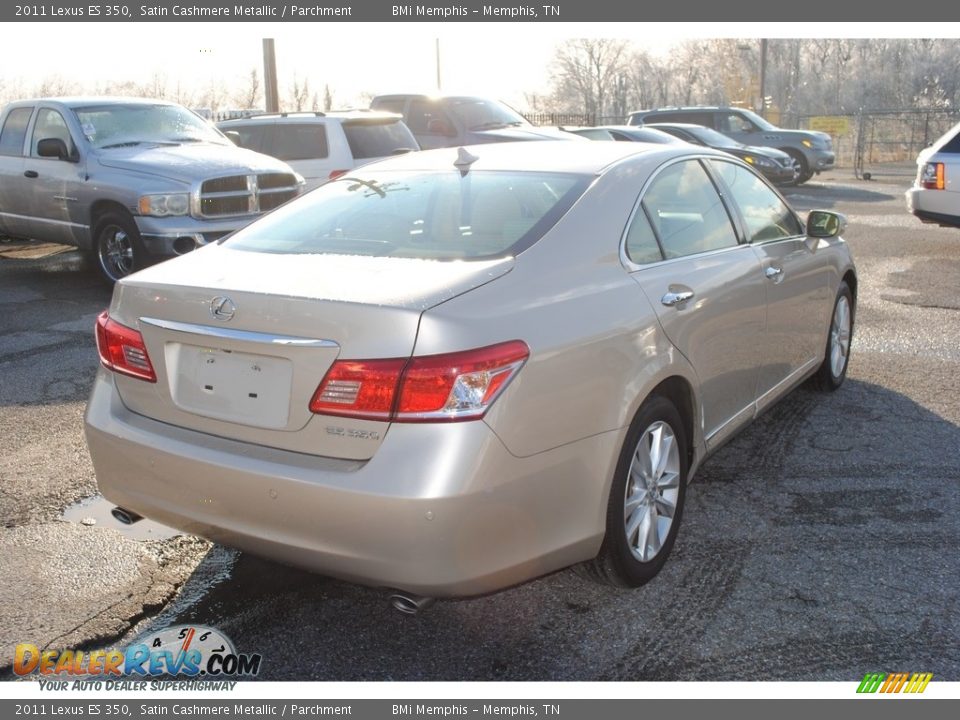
(222, 308)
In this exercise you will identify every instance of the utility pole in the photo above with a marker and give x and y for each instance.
(438, 63)
(763, 78)
(270, 94)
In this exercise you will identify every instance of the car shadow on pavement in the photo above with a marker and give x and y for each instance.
(819, 544)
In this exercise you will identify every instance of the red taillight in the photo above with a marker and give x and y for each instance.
(933, 177)
(122, 349)
(359, 388)
(334, 174)
(454, 386)
(457, 386)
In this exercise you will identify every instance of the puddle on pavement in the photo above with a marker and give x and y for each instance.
(96, 511)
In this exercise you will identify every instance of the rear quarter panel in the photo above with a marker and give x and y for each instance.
(596, 347)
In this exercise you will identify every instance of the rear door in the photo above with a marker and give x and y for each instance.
(14, 186)
(707, 289)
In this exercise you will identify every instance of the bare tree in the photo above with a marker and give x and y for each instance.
(299, 94)
(587, 72)
(327, 98)
(249, 95)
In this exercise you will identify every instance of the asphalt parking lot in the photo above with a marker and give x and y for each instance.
(820, 544)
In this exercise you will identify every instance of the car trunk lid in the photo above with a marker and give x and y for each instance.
(244, 363)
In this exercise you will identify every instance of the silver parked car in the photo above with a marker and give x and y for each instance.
(453, 371)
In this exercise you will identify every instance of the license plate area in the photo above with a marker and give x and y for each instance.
(239, 387)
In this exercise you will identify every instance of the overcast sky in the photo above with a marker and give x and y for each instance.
(499, 59)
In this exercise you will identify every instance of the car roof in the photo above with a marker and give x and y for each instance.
(75, 101)
(560, 156)
(360, 114)
(681, 126)
(686, 108)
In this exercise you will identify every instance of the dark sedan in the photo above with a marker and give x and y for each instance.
(775, 165)
(625, 133)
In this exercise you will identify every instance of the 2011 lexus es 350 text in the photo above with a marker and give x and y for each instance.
(457, 370)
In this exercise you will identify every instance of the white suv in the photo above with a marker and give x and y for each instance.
(935, 195)
(321, 146)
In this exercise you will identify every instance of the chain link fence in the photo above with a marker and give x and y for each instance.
(882, 142)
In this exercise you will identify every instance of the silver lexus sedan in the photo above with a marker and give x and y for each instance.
(457, 370)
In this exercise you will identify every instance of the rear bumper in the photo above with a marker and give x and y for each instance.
(440, 510)
(940, 207)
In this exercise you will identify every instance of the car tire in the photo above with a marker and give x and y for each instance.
(800, 165)
(651, 478)
(836, 359)
(117, 246)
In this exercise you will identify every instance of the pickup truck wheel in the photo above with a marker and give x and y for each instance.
(118, 248)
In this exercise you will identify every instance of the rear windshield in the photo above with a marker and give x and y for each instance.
(377, 140)
(429, 215)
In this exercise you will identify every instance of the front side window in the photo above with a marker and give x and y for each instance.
(439, 215)
(767, 216)
(251, 136)
(734, 122)
(50, 124)
(14, 131)
(426, 118)
(687, 212)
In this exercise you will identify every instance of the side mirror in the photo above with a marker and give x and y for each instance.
(825, 224)
(234, 137)
(53, 147)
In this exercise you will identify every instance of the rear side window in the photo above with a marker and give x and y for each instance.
(641, 245)
(374, 140)
(430, 215)
(14, 131)
(287, 141)
(953, 145)
(692, 118)
(686, 211)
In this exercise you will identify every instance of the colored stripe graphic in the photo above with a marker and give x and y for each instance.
(894, 682)
(918, 683)
(871, 682)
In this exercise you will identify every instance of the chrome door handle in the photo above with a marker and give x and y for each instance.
(773, 273)
(676, 298)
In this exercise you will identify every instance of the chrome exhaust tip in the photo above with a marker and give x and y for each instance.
(410, 604)
(127, 517)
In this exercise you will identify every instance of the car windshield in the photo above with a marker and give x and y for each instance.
(480, 114)
(441, 215)
(119, 125)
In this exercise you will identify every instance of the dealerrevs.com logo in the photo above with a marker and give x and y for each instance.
(188, 651)
(889, 683)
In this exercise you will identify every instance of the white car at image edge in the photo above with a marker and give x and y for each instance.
(935, 195)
